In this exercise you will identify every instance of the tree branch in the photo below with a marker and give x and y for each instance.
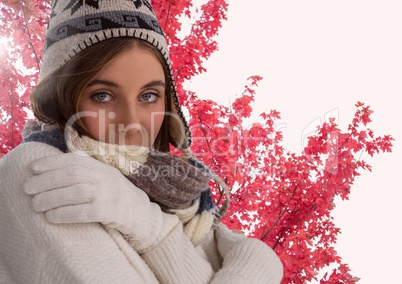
(29, 36)
(280, 215)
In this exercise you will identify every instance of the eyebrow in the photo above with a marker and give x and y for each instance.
(103, 82)
(155, 83)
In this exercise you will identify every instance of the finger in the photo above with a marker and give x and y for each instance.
(78, 194)
(71, 214)
(60, 161)
(64, 177)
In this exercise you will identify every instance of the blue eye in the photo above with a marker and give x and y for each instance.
(149, 97)
(102, 97)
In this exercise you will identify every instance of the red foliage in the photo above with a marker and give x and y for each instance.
(24, 23)
(279, 197)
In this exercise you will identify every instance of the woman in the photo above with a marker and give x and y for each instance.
(93, 194)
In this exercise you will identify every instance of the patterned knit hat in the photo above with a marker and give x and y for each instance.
(77, 24)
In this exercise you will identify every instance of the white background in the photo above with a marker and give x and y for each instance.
(319, 57)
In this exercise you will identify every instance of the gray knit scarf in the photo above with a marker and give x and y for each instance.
(179, 185)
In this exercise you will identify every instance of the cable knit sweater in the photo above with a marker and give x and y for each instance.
(32, 250)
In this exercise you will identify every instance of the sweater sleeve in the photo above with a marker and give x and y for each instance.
(32, 250)
(245, 260)
(176, 261)
(224, 257)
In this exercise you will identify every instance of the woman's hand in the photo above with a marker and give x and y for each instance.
(70, 188)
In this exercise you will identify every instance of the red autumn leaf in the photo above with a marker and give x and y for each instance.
(283, 198)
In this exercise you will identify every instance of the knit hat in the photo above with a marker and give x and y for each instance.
(77, 24)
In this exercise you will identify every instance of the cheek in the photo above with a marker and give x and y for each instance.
(156, 119)
(94, 119)
(154, 123)
(158, 122)
(92, 126)
(96, 127)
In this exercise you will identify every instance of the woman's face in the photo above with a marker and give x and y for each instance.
(125, 102)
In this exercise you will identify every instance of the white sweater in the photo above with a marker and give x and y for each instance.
(32, 250)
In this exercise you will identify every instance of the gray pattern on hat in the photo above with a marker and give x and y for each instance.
(101, 21)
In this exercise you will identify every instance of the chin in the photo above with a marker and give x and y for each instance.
(129, 142)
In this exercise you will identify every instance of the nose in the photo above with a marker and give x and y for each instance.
(129, 120)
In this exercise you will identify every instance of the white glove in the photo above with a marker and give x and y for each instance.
(75, 189)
